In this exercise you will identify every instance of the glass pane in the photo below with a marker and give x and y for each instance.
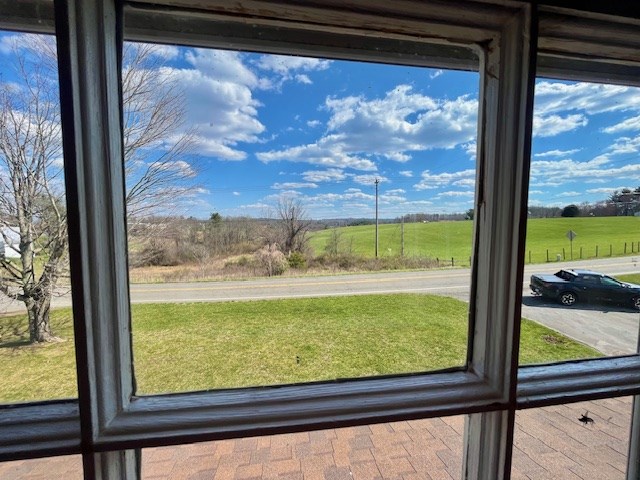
(418, 449)
(66, 467)
(581, 273)
(574, 441)
(266, 180)
(36, 325)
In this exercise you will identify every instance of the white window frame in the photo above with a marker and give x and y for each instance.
(108, 419)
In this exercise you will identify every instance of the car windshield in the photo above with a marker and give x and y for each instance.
(611, 281)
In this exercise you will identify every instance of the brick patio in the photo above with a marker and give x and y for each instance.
(549, 443)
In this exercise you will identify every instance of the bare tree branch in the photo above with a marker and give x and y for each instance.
(156, 157)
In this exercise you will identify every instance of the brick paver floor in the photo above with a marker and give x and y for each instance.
(549, 443)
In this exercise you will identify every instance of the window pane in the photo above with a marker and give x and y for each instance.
(574, 441)
(581, 274)
(36, 325)
(67, 467)
(259, 191)
(430, 448)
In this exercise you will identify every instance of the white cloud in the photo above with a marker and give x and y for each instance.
(552, 125)
(166, 52)
(590, 98)
(396, 191)
(569, 194)
(290, 68)
(557, 153)
(369, 179)
(455, 194)
(329, 175)
(236, 194)
(438, 180)
(348, 195)
(224, 66)
(555, 173)
(284, 64)
(402, 121)
(219, 102)
(624, 145)
(406, 173)
(391, 127)
(465, 182)
(314, 123)
(471, 149)
(289, 185)
(607, 190)
(326, 152)
(627, 124)
(179, 166)
(302, 78)
(553, 101)
(536, 192)
(436, 74)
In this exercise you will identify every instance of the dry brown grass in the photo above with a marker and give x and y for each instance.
(244, 266)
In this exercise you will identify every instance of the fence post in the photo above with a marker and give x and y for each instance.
(580, 253)
(547, 255)
(596, 251)
(625, 248)
(529, 257)
(563, 254)
(452, 261)
(610, 250)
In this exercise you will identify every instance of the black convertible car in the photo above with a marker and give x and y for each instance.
(573, 285)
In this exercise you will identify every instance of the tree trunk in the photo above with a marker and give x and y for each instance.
(39, 325)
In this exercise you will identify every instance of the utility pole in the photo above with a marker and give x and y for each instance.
(377, 182)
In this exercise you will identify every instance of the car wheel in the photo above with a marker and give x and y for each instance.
(636, 302)
(567, 298)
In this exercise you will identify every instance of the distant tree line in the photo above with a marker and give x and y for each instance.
(625, 202)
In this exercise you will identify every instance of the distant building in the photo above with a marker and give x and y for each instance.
(10, 242)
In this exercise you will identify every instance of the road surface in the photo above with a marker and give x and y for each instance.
(612, 330)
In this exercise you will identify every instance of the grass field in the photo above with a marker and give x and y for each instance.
(445, 240)
(631, 278)
(179, 347)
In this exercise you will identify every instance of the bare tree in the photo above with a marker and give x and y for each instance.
(153, 147)
(31, 177)
(294, 224)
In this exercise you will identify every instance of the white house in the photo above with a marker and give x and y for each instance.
(10, 242)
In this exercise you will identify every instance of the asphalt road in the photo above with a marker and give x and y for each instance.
(612, 330)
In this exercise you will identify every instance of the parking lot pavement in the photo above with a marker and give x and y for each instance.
(611, 329)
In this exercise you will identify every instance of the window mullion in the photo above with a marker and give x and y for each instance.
(89, 50)
(507, 75)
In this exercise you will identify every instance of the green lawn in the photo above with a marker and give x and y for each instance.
(199, 346)
(631, 278)
(445, 240)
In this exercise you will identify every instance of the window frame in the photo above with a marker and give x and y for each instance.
(108, 418)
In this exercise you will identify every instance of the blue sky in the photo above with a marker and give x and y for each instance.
(322, 131)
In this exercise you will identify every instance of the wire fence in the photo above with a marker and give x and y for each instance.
(583, 252)
(550, 255)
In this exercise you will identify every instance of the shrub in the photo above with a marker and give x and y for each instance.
(271, 260)
(297, 260)
(571, 211)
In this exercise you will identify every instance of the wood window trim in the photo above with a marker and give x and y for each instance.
(112, 418)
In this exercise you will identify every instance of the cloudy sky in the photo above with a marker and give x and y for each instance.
(323, 131)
